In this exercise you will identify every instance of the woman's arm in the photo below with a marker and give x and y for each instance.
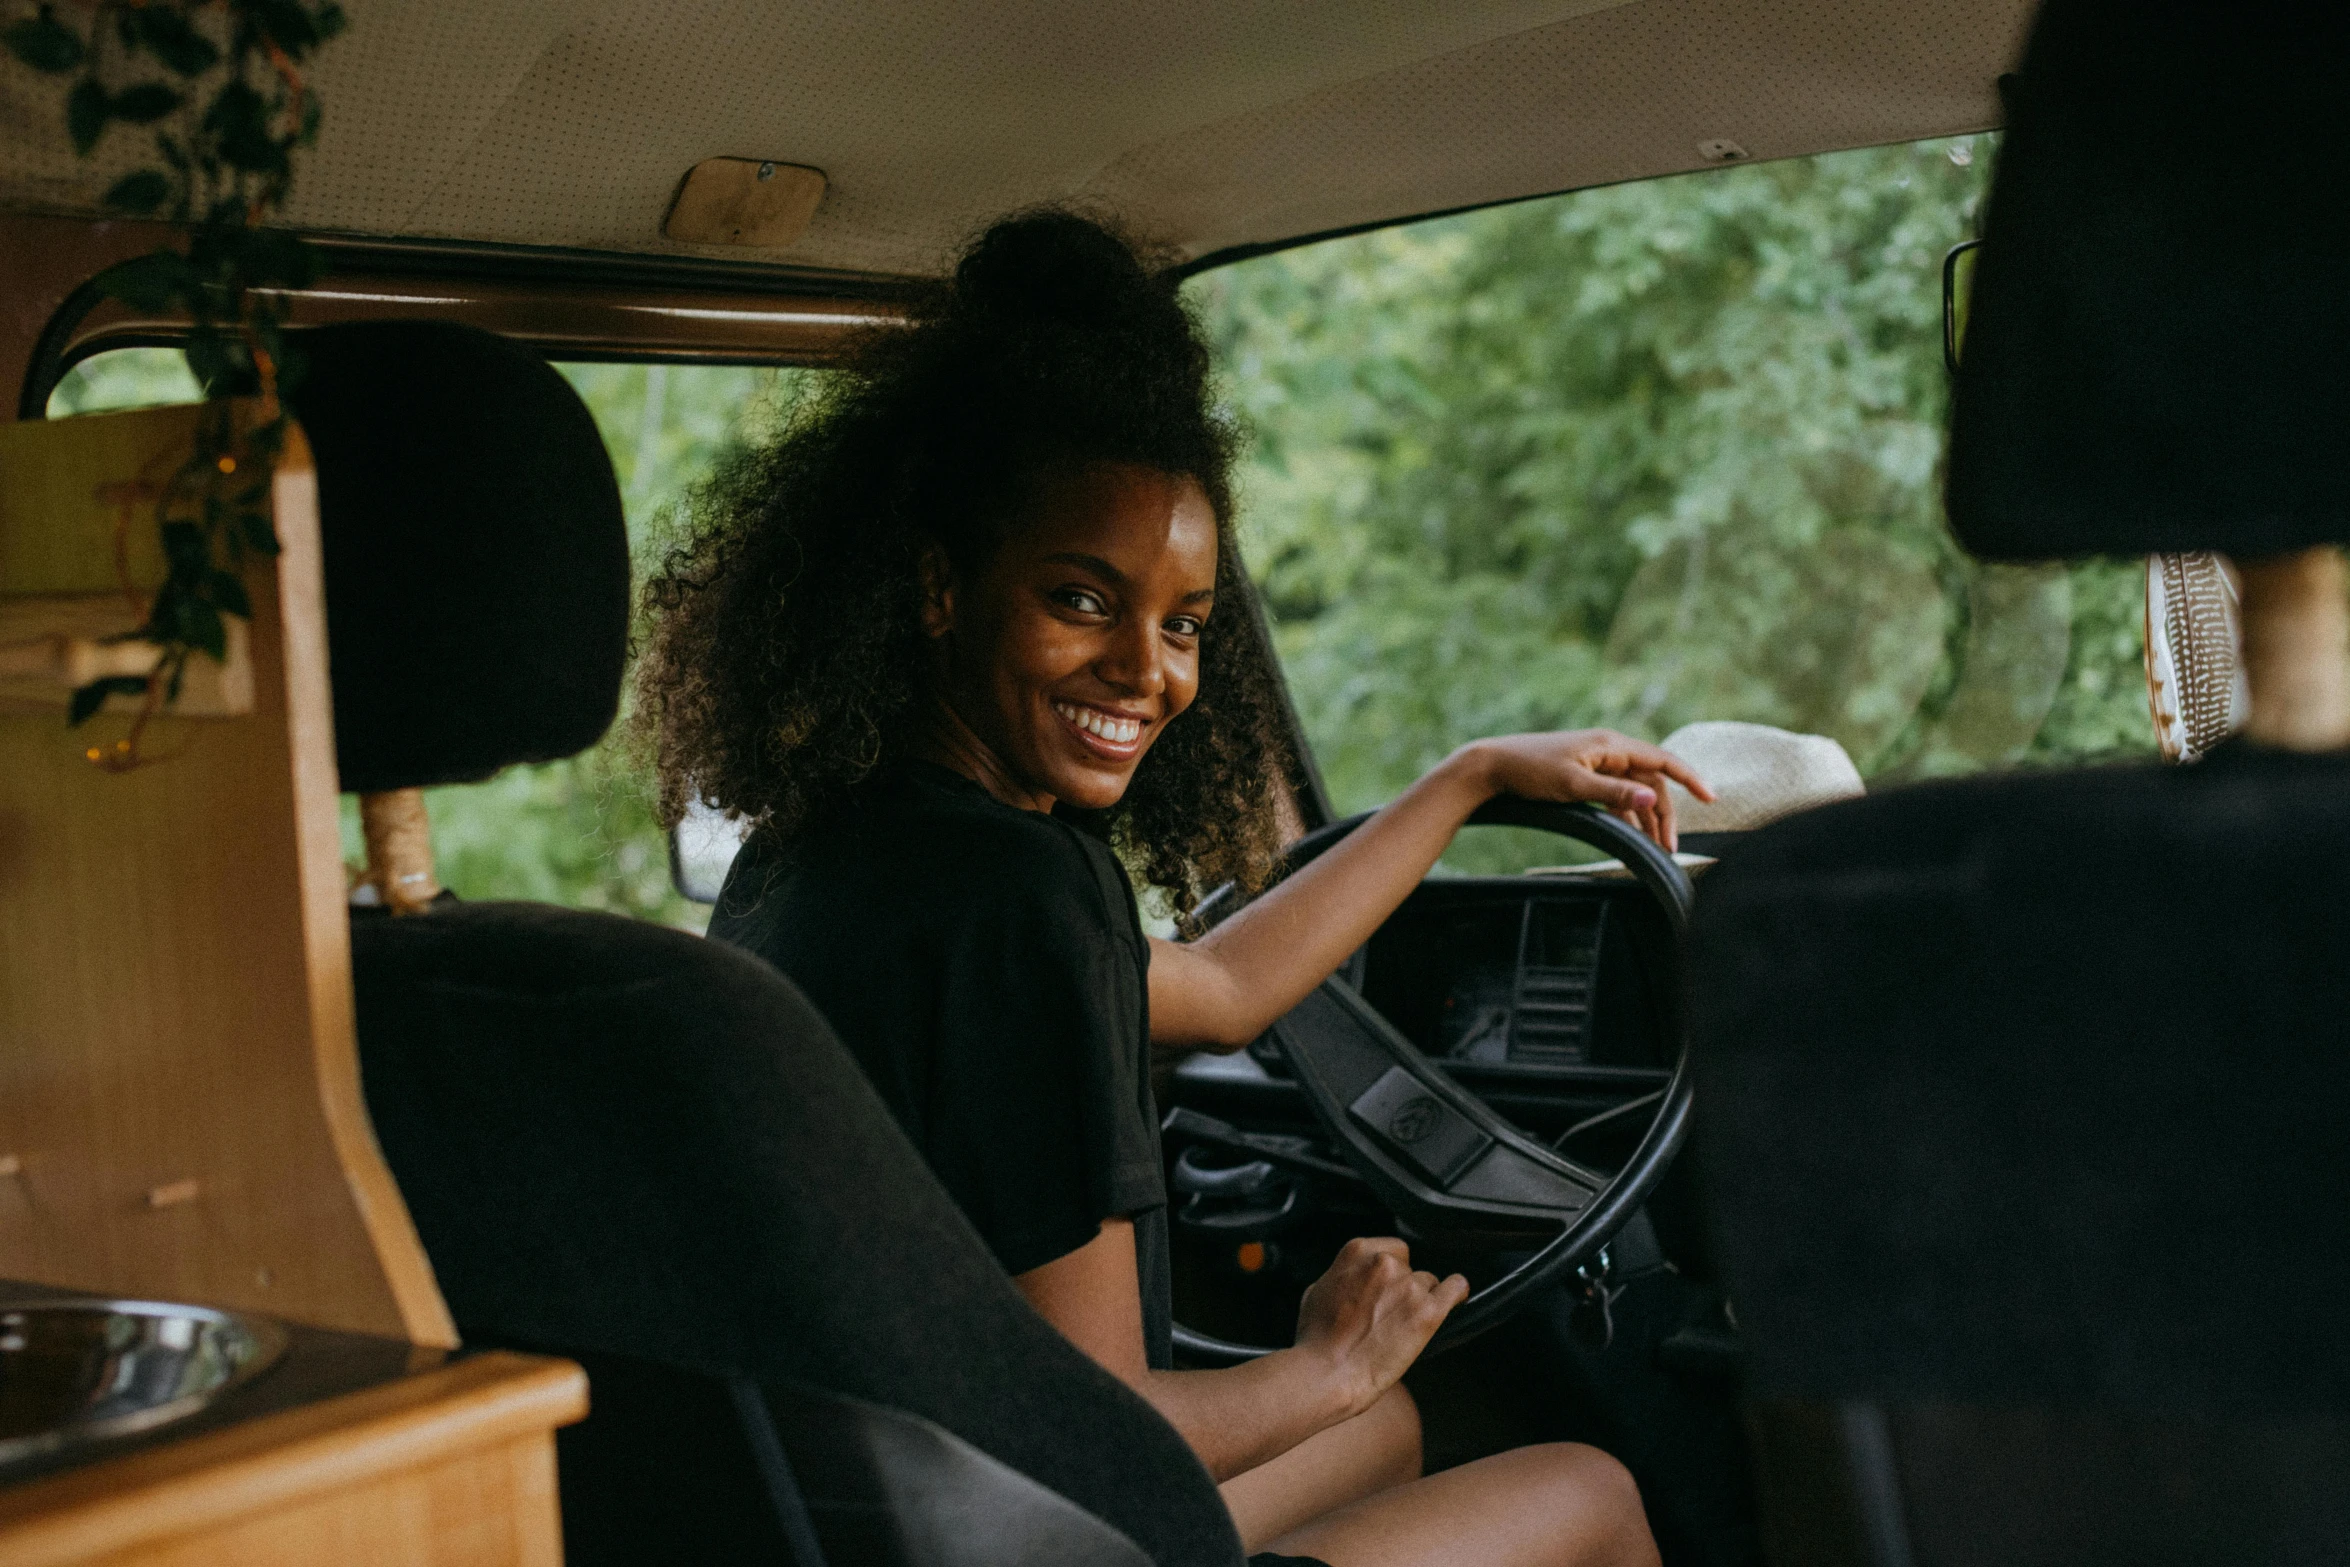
(1227, 987)
(1358, 1328)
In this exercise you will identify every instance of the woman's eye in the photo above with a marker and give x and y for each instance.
(1186, 626)
(1083, 602)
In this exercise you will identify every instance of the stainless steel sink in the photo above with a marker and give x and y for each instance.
(76, 1371)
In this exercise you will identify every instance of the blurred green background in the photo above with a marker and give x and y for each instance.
(1649, 454)
(1631, 456)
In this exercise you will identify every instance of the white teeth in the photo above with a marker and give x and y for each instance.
(1118, 731)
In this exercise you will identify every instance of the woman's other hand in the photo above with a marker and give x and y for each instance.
(1371, 1315)
(1625, 777)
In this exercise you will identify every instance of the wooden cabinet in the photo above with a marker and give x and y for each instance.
(180, 1114)
(451, 1468)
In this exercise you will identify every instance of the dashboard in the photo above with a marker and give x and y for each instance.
(1539, 993)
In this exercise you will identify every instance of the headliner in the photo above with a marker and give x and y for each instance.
(1211, 125)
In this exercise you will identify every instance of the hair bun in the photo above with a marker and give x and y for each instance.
(1057, 266)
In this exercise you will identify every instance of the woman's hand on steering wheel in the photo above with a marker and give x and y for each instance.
(1622, 776)
(1370, 1316)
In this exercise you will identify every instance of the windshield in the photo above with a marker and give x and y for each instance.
(1645, 455)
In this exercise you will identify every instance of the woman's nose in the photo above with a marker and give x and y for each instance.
(1135, 663)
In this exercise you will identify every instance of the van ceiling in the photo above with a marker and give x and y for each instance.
(1208, 124)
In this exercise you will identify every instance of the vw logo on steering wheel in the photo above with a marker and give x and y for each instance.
(1414, 1121)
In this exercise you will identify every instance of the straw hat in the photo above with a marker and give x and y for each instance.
(1757, 773)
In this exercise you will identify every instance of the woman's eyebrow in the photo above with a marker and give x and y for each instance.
(1112, 575)
(1093, 563)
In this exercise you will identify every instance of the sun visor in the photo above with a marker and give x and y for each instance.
(2158, 347)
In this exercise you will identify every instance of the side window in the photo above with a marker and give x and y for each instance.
(124, 378)
(1645, 455)
(580, 831)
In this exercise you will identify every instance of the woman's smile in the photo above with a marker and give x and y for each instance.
(1117, 736)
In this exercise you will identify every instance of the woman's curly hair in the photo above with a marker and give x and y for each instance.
(786, 659)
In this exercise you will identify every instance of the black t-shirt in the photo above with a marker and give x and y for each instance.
(987, 967)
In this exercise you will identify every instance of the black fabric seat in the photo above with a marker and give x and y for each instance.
(625, 1144)
(631, 1145)
(2019, 1099)
(2022, 1129)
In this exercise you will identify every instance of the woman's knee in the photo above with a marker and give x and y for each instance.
(1593, 1492)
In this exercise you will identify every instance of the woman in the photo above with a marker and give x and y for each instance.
(953, 642)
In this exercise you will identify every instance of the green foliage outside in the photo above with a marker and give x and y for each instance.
(1632, 456)
(1643, 455)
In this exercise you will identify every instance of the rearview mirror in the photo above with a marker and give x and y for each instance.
(1958, 286)
(702, 847)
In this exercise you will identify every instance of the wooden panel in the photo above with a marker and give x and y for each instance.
(496, 1508)
(178, 1077)
(453, 1468)
(50, 644)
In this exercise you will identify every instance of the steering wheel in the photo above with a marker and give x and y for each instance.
(1432, 1151)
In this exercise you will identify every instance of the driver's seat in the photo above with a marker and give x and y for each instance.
(646, 1151)
(2020, 1101)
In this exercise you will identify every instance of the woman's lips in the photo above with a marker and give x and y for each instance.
(1112, 735)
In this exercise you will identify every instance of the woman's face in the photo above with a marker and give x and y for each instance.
(1079, 642)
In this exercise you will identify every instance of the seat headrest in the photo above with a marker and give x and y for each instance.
(476, 556)
(2158, 346)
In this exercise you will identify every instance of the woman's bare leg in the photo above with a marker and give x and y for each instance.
(1375, 1451)
(1557, 1505)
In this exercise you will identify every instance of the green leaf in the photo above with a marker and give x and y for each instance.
(228, 591)
(45, 44)
(266, 441)
(144, 104)
(155, 281)
(239, 123)
(273, 257)
(216, 361)
(183, 546)
(294, 27)
(199, 625)
(88, 699)
(139, 193)
(259, 535)
(86, 109)
(166, 33)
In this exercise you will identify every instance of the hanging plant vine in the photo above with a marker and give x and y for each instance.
(220, 84)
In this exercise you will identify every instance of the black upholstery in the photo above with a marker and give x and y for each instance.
(476, 557)
(2155, 347)
(886, 1487)
(2020, 1110)
(2030, 1089)
(619, 1140)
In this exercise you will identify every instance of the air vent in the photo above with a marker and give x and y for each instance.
(1558, 966)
